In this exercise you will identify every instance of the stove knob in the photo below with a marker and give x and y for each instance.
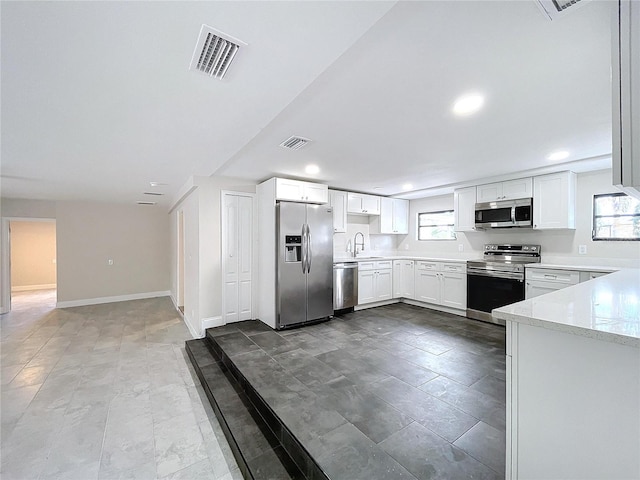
(525, 248)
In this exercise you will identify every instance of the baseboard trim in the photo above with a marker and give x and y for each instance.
(211, 322)
(192, 330)
(27, 288)
(117, 298)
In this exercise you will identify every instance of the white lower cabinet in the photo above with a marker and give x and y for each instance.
(441, 284)
(375, 281)
(403, 279)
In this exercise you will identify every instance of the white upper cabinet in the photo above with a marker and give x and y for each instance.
(363, 204)
(394, 217)
(509, 190)
(338, 200)
(464, 206)
(298, 191)
(625, 80)
(554, 201)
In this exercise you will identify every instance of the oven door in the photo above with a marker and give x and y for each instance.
(488, 291)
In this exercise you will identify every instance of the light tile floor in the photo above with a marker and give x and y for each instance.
(103, 392)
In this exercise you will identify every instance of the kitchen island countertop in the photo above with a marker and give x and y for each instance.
(606, 308)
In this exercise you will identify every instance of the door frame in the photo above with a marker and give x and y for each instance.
(223, 250)
(5, 257)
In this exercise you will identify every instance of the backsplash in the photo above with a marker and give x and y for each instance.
(373, 244)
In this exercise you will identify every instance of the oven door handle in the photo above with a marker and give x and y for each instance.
(489, 273)
(513, 214)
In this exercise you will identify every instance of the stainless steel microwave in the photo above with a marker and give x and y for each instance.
(505, 214)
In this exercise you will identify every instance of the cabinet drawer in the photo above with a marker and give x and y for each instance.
(384, 264)
(566, 277)
(364, 266)
(454, 267)
(427, 265)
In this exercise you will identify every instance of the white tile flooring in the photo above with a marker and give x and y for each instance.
(103, 392)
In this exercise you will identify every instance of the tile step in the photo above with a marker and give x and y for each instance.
(256, 446)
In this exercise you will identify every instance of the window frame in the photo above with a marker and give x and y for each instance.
(452, 225)
(594, 238)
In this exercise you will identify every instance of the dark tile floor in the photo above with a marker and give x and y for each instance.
(392, 392)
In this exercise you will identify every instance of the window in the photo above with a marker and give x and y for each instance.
(616, 216)
(436, 225)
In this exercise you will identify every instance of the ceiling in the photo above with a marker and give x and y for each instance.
(98, 99)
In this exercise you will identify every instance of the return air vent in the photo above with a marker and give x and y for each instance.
(145, 203)
(295, 143)
(553, 9)
(214, 52)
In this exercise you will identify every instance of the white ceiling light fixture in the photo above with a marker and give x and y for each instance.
(468, 104)
(214, 52)
(312, 169)
(294, 143)
(558, 155)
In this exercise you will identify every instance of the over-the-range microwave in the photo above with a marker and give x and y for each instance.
(505, 214)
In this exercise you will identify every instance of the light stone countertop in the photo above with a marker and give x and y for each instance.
(583, 268)
(418, 258)
(606, 308)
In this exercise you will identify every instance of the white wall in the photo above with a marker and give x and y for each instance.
(203, 237)
(557, 246)
(135, 237)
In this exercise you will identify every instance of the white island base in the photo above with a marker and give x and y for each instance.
(573, 382)
(572, 406)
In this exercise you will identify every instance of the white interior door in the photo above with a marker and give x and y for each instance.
(237, 235)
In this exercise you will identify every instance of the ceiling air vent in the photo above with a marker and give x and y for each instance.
(145, 203)
(214, 52)
(553, 9)
(295, 143)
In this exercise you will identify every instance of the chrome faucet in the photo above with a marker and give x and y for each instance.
(355, 243)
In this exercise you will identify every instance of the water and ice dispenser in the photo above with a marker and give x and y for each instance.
(293, 248)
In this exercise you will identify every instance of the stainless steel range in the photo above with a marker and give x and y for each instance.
(498, 278)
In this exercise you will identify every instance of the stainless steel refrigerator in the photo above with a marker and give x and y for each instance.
(304, 290)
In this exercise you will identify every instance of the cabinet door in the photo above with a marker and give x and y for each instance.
(366, 286)
(371, 204)
(354, 203)
(316, 193)
(427, 286)
(464, 205)
(398, 278)
(386, 216)
(519, 188)
(534, 289)
(489, 192)
(408, 279)
(289, 190)
(384, 284)
(338, 201)
(454, 290)
(554, 201)
(400, 210)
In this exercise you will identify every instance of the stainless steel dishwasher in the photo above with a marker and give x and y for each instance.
(345, 285)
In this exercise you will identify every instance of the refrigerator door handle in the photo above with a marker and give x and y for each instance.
(304, 248)
(310, 250)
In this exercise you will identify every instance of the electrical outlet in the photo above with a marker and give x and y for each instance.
(110, 262)
(582, 249)
(406, 247)
(461, 247)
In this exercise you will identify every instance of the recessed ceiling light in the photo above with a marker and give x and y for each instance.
(158, 184)
(468, 104)
(312, 169)
(407, 186)
(559, 155)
